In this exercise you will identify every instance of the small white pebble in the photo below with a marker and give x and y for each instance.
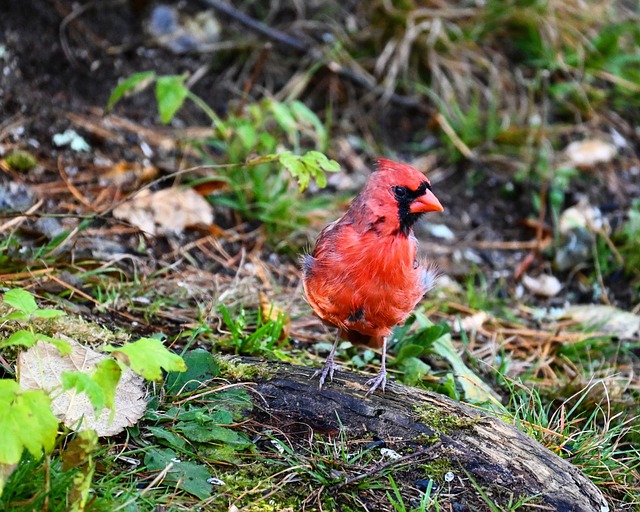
(449, 476)
(277, 445)
(390, 454)
(545, 285)
(440, 231)
(146, 149)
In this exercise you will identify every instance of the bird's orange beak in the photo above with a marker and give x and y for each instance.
(426, 203)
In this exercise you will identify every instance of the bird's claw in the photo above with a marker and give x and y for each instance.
(379, 380)
(328, 369)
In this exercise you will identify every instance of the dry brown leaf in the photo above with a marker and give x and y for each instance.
(41, 367)
(171, 210)
(607, 319)
(589, 152)
(126, 174)
(209, 187)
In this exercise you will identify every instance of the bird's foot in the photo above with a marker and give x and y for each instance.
(379, 380)
(328, 369)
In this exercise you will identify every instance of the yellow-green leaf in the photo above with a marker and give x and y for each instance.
(134, 83)
(148, 357)
(170, 94)
(26, 422)
(22, 300)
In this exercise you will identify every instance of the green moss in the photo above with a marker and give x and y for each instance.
(233, 369)
(436, 469)
(428, 439)
(443, 423)
(21, 161)
(75, 327)
(242, 480)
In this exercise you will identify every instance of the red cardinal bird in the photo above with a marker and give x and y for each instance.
(363, 276)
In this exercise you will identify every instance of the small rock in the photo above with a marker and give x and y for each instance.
(15, 197)
(581, 216)
(72, 139)
(440, 231)
(182, 33)
(590, 152)
(544, 285)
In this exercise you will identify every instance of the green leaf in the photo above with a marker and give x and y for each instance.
(22, 300)
(21, 337)
(147, 357)
(296, 168)
(208, 433)
(107, 375)
(283, 116)
(407, 351)
(201, 367)
(414, 370)
(307, 116)
(134, 83)
(190, 477)
(83, 383)
(449, 388)
(248, 136)
(475, 389)
(313, 164)
(63, 346)
(171, 438)
(16, 315)
(199, 414)
(48, 313)
(26, 422)
(320, 161)
(222, 417)
(170, 95)
(202, 415)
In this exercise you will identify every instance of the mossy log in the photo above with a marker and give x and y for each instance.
(494, 454)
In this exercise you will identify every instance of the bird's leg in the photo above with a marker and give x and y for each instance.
(381, 378)
(329, 365)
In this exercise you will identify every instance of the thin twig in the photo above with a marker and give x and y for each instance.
(16, 221)
(453, 136)
(260, 28)
(72, 188)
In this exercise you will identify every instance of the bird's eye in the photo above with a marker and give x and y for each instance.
(400, 192)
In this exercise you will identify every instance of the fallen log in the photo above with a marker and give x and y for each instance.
(485, 449)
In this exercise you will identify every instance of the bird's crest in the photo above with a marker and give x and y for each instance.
(399, 173)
